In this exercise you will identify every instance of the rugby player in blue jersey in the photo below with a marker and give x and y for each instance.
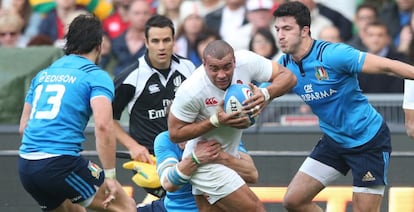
(175, 172)
(57, 108)
(355, 136)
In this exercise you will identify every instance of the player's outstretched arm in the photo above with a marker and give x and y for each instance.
(374, 64)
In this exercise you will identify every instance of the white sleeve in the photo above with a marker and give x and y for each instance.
(408, 102)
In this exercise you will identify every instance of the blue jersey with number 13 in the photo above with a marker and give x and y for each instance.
(60, 98)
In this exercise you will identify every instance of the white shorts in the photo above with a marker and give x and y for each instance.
(215, 181)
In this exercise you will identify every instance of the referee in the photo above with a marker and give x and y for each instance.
(147, 88)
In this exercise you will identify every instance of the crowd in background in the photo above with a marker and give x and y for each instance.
(383, 28)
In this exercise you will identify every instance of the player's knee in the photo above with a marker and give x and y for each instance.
(291, 203)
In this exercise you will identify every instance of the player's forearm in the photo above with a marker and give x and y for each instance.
(283, 82)
(122, 137)
(189, 131)
(244, 166)
(105, 145)
(104, 131)
(409, 122)
(172, 181)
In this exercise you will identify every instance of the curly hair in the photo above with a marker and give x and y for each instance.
(85, 33)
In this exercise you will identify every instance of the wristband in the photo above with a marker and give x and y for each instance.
(110, 173)
(265, 93)
(214, 120)
(182, 175)
(194, 158)
(176, 177)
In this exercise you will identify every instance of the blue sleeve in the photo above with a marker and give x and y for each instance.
(343, 57)
(101, 84)
(164, 148)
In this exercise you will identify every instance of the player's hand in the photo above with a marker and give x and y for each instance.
(111, 191)
(235, 119)
(207, 151)
(141, 153)
(256, 103)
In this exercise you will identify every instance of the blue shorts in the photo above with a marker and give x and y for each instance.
(53, 180)
(369, 162)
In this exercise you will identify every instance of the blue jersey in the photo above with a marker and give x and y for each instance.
(181, 199)
(327, 81)
(60, 98)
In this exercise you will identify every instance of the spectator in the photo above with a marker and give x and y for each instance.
(117, 22)
(259, 16)
(331, 34)
(263, 43)
(396, 15)
(201, 7)
(203, 39)
(130, 45)
(321, 15)
(406, 36)
(227, 19)
(11, 25)
(53, 24)
(171, 9)
(31, 19)
(378, 42)
(60, 43)
(365, 14)
(185, 44)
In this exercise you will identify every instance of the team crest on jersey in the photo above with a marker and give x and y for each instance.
(177, 82)
(95, 169)
(154, 88)
(320, 73)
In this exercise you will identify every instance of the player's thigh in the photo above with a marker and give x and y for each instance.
(302, 188)
(242, 199)
(204, 206)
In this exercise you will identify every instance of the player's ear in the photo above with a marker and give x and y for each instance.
(305, 31)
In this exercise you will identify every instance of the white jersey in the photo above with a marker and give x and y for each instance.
(197, 98)
(408, 102)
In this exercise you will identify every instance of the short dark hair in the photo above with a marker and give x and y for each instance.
(218, 49)
(159, 21)
(367, 5)
(85, 33)
(295, 9)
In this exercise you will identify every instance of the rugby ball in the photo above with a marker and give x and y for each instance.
(234, 96)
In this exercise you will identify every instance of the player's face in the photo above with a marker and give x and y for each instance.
(220, 71)
(160, 44)
(288, 34)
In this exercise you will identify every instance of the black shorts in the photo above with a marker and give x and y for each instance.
(53, 180)
(369, 162)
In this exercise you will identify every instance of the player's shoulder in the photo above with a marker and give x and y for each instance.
(182, 64)
(325, 50)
